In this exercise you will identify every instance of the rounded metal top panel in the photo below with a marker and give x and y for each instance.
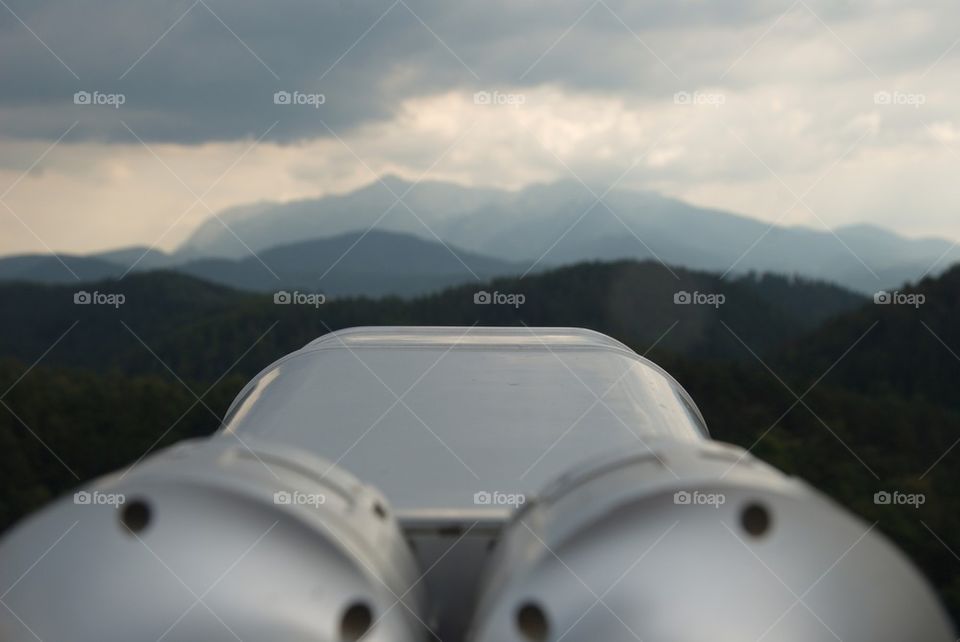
(463, 337)
(463, 419)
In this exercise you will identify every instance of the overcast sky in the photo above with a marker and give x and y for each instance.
(818, 113)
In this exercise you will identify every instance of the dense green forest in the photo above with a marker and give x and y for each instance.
(121, 381)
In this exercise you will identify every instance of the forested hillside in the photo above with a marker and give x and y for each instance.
(120, 382)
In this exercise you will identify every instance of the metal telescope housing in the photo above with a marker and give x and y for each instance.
(477, 484)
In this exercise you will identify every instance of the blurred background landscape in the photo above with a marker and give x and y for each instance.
(759, 197)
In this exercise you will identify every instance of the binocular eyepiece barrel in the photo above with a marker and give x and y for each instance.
(462, 484)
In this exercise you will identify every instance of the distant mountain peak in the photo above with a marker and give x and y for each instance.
(551, 224)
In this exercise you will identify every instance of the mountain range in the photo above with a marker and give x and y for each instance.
(396, 237)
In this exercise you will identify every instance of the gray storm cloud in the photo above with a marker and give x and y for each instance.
(744, 106)
(207, 70)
